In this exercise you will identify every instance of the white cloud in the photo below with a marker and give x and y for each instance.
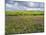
(31, 4)
(35, 9)
(8, 5)
(16, 4)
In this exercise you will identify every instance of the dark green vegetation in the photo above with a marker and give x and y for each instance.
(24, 22)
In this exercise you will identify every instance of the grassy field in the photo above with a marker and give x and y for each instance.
(23, 13)
(24, 22)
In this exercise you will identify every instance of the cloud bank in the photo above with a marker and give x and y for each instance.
(23, 5)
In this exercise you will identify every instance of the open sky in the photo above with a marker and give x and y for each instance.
(23, 5)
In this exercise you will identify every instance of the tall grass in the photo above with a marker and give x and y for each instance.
(24, 24)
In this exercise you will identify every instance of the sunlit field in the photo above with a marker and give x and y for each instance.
(23, 13)
(21, 22)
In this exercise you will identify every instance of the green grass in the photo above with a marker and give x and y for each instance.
(23, 13)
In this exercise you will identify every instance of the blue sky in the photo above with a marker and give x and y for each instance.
(23, 5)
